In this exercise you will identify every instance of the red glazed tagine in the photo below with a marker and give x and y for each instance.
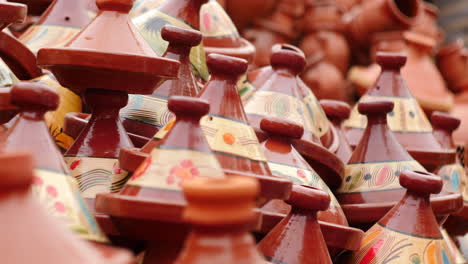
(229, 135)
(181, 13)
(48, 242)
(371, 185)
(297, 239)
(284, 161)
(279, 92)
(409, 233)
(220, 34)
(145, 115)
(220, 212)
(407, 121)
(130, 66)
(53, 187)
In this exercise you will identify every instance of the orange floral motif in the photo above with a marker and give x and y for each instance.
(229, 138)
(182, 172)
(301, 174)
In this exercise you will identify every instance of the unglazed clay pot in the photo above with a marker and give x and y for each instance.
(322, 16)
(145, 115)
(263, 39)
(298, 238)
(409, 232)
(460, 110)
(371, 184)
(224, 223)
(220, 35)
(130, 66)
(426, 23)
(181, 13)
(18, 208)
(382, 15)
(278, 91)
(407, 121)
(452, 61)
(337, 112)
(245, 12)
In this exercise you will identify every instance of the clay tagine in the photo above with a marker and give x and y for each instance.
(409, 232)
(144, 115)
(220, 34)
(452, 62)
(298, 238)
(371, 185)
(407, 121)
(54, 188)
(229, 135)
(279, 92)
(19, 208)
(181, 13)
(130, 66)
(225, 223)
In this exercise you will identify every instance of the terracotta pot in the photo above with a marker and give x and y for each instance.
(408, 122)
(322, 16)
(263, 40)
(348, 4)
(245, 12)
(382, 15)
(426, 23)
(452, 61)
(423, 232)
(298, 238)
(224, 222)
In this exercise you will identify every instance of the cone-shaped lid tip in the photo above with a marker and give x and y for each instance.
(12, 13)
(420, 182)
(310, 198)
(34, 95)
(336, 109)
(391, 60)
(289, 57)
(225, 201)
(375, 108)
(181, 36)
(281, 127)
(16, 170)
(185, 105)
(445, 121)
(226, 65)
(115, 5)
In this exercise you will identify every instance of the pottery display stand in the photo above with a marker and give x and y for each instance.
(285, 161)
(407, 121)
(371, 186)
(130, 66)
(280, 93)
(145, 115)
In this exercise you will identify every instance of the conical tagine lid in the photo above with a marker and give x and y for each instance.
(53, 186)
(407, 121)
(409, 233)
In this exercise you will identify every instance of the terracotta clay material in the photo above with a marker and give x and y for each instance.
(407, 121)
(426, 24)
(278, 91)
(460, 111)
(145, 115)
(263, 40)
(371, 184)
(11, 13)
(298, 238)
(322, 16)
(409, 232)
(452, 61)
(244, 12)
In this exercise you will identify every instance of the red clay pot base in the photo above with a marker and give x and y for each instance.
(407, 121)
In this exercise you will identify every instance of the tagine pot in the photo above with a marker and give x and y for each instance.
(407, 121)
(243, 13)
(426, 24)
(452, 61)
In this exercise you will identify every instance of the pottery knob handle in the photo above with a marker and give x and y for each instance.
(445, 121)
(281, 127)
(115, 5)
(310, 198)
(185, 105)
(374, 108)
(16, 170)
(214, 201)
(289, 57)
(335, 109)
(423, 183)
(30, 95)
(226, 65)
(181, 36)
(391, 60)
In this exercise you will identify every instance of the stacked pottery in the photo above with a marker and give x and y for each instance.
(371, 184)
(284, 161)
(181, 13)
(21, 213)
(130, 66)
(277, 91)
(243, 13)
(407, 121)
